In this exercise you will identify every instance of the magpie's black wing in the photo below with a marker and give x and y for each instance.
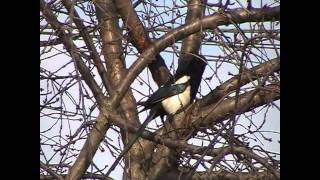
(162, 93)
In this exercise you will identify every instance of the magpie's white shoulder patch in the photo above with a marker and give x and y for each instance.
(174, 103)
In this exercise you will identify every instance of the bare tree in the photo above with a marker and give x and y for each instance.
(100, 58)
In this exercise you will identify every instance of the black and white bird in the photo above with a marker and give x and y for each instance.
(178, 92)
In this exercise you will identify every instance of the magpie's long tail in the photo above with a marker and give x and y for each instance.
(153, 112)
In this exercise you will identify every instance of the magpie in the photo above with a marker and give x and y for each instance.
(179, 91)
(173, 96)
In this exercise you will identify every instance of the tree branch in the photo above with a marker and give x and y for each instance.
(113, 53)
(85, 176)
(174, 175)
(222, 174)
(230, 85)
(88, 41)
(263, 96)
(107, 107)
(191, 44)
(89, 149)
(216, 113)
(139, 38)
(71, 48)
(208, 22)
(54, 174)
(247, 76)
(165, 157)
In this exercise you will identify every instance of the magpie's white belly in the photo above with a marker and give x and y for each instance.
(174, 103)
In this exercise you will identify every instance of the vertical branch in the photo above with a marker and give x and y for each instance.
(191, 44)
(141, 41)
(167, 158)
(89, 149)
(95, 136)
(71, 48)
(88, 41)
(113, 53)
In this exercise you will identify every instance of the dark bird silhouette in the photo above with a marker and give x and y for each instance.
(179, 91)
(173, 96)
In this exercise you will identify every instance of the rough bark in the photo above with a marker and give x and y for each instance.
(166, 159)
(113, 53)
(140, 39)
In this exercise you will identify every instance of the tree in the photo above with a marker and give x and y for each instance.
(96, 58)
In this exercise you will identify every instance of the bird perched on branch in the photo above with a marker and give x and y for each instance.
(173, 96)
(179, 91)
